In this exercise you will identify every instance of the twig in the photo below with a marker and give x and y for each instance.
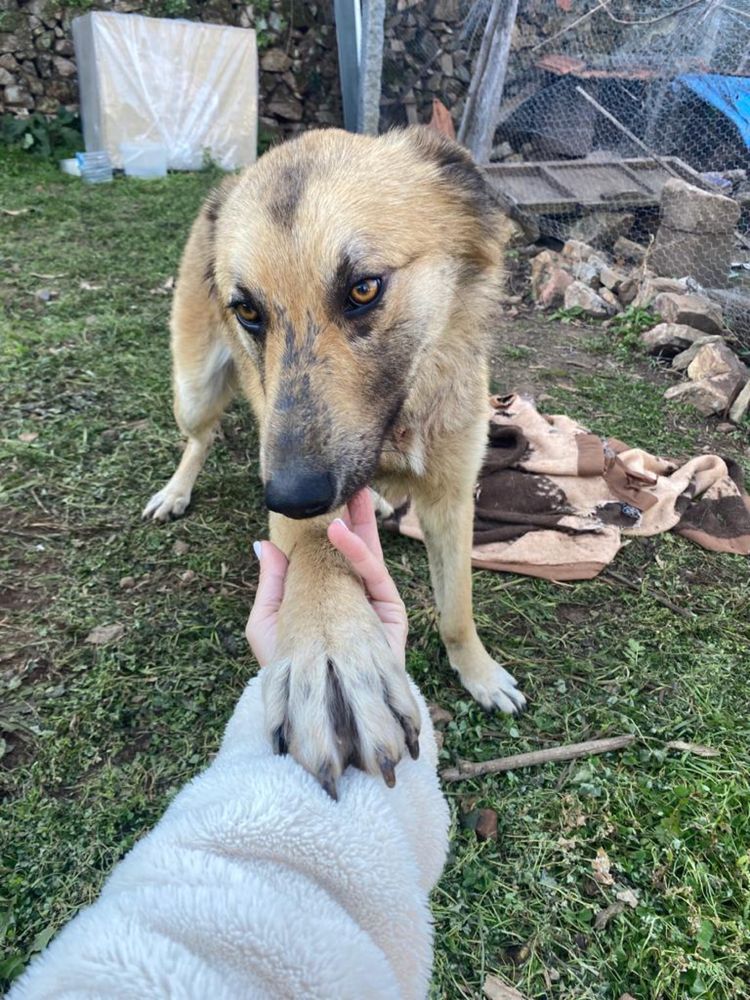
(652, 20)
(569, 27)
(474, 769)
(631, 585)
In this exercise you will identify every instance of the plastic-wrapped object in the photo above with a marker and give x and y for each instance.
(144, 160)
(95, 167)
(190, 87)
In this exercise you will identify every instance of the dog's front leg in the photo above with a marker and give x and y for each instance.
(446, 514)
(336, 693)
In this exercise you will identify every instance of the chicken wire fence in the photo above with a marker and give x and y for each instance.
(603, 102)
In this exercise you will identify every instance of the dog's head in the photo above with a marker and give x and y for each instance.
(340, 262)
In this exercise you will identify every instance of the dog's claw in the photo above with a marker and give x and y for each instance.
(411, 736)
(327, 781)
(278, 742)
(387, 769)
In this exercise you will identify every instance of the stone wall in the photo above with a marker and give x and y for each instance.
(296, 41)
(429, 50)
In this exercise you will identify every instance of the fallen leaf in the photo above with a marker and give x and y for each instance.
(28, 436)
(180, 548)
(495, 989)
(601, 865)
(14, 211)
(603, 917)
(45, 277)
(86, 286)
(486, 827)
(103, 634)
(629, 896)
(695, 748)
(440, 716)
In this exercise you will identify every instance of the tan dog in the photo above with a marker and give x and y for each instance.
(345, 284)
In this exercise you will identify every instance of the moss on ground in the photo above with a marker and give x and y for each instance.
(97, 739)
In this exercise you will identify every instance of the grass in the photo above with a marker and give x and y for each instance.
(97, 739)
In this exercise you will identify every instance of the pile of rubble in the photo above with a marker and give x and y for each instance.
(690, 333)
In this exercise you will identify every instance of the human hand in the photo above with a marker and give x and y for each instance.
(356, 538)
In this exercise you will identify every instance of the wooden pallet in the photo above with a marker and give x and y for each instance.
(570, 186)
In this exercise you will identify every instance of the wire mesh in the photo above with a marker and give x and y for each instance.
(655, 88)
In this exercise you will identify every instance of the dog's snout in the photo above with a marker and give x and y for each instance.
(300, 491)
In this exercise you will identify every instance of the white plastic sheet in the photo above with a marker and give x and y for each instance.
(187, 86)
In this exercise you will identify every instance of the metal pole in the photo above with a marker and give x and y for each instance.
(349, 40)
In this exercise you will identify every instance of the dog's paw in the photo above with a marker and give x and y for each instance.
(166, 504)
(490, 684)
(331, 704)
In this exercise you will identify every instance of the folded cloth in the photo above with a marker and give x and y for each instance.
(554, 500)
(255, 884)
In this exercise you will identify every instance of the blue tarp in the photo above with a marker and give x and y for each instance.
(728, 94)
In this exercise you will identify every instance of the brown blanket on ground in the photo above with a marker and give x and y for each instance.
(554, 500)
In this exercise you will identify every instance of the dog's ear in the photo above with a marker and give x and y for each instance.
(457, 168)
(207, 219)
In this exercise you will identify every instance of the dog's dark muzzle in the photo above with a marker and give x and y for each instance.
(300, 491)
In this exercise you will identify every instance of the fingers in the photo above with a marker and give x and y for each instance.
(362, 521)
(273, 567)
(367, 564)
(261, 625)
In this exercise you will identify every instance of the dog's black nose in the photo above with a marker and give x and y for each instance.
(300, 491)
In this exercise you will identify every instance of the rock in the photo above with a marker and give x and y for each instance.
(288, 108)
(104, 634)
(586, 272)
(696, 233)
(691, 310)
(552, 293)
(64, 47)
(187, 577)
(686, 207)
(6, 79)
(580, 296)
(682, 360)
(64, 67)
(725, 427)
(576, 250)
(610, 298)
(486, 828)
(127, 583)
(666, 340)
(628, 250)
(612, 277)
(628, 290)
(501, 152)
(18, 97)
(652, 286)
(541, 267)
(275, 61)
(708, 395)
(46, 294)
(601, 229)
(715, 359)
(741, 405)
(180, 548)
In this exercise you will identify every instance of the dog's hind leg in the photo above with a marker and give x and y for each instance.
(203, 381)
(446, 514)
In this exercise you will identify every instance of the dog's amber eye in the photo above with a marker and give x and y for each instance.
(365, 292)
(247, 314)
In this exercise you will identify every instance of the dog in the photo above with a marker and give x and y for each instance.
(346, 285)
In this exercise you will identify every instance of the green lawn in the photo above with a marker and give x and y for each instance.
(97, 738)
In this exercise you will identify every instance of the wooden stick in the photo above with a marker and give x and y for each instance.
(474, 769)
(610, 574)
(631, 135)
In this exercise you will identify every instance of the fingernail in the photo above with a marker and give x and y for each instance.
(257, 549)
(338, 520)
